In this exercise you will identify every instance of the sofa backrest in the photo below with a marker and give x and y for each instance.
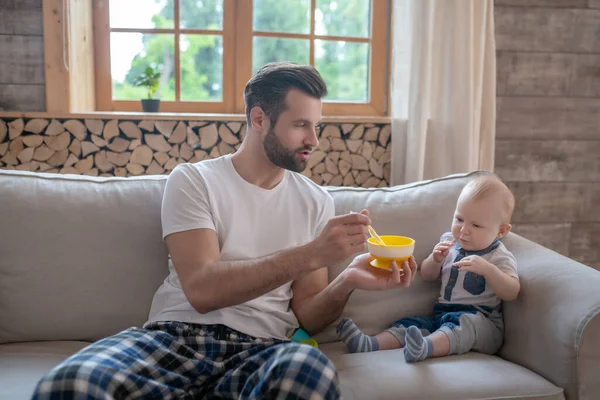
(81, 257)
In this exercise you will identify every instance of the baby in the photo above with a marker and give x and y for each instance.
(477, 273)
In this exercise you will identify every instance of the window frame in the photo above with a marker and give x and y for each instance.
(237, 61)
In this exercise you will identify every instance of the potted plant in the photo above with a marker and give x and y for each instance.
(150, 79)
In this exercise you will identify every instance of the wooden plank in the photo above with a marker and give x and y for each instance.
(548, 118)
(21, 59)
(587, 31)
(81, 76)
(21, 17)
(69, 59)
(22, 98)
(552, 236)
(243, 55)
(502, 70)
(585, 243)
(594, 3)
(548, 74)
(547, 29)
(586, 76)
(555, 202)
(177, 53)
(57, 76)
(323, 37)
(534, 74)
(378, 54)
(229, 61)
(103, 83)
(548, 160)
(542, 3)
(311, 36)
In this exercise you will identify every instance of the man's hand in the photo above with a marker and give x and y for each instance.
(476, 265)
(342, 237)
(441, 250)
(361, 275)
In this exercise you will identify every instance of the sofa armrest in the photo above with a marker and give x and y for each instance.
(553, 328)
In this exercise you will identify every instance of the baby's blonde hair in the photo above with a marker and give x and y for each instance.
(491, 185)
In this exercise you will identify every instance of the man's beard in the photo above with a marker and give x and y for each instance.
(282, 156)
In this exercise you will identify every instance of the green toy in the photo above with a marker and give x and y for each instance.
(301, 336)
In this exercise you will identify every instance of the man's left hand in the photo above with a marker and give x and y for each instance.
(366, 277)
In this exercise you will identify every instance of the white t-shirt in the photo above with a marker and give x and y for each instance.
(474, 290)
(250, 222)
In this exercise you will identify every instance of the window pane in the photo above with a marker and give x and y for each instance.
(289, 16)
(141, 14)
(201, 63)
(343, 18)
(345, 68)
(267, 49)
(131, 53)
(201, 14)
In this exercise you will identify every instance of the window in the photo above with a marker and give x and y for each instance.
(206, 50)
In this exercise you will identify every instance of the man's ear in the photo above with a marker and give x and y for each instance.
(504, 229)
(258, 119)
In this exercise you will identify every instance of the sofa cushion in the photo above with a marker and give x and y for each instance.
(380, 375)
(80, 257)
(23, 364)
(385, 375)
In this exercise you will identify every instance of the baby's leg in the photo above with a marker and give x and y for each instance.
(393, 338)
(398, 329)
(459, 333)
(474, 332)
(419, 347)
(354, 339)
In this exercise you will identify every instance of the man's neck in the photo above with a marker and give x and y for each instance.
(254, 167)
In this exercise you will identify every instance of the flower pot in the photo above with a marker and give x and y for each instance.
(150, 105)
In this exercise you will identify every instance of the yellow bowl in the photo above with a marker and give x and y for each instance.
(396, 248)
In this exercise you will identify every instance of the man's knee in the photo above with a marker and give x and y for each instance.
(70, 380)
(306, 372)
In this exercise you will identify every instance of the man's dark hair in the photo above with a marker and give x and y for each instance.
(269, 86)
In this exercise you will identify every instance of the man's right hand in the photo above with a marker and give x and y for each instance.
(342, 237)
(441, 250)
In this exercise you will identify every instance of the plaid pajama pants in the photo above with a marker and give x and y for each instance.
(174, 360)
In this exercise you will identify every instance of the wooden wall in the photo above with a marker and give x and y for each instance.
(21, 56)
(548, 129)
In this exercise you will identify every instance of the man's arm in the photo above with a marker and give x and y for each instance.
(317, 304)
(210, 284)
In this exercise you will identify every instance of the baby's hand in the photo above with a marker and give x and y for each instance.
(476, 265)
(441, 250)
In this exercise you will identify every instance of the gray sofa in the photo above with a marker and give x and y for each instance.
(81, 257)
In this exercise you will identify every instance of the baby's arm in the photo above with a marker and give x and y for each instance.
(431, 267)
(504, 285)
